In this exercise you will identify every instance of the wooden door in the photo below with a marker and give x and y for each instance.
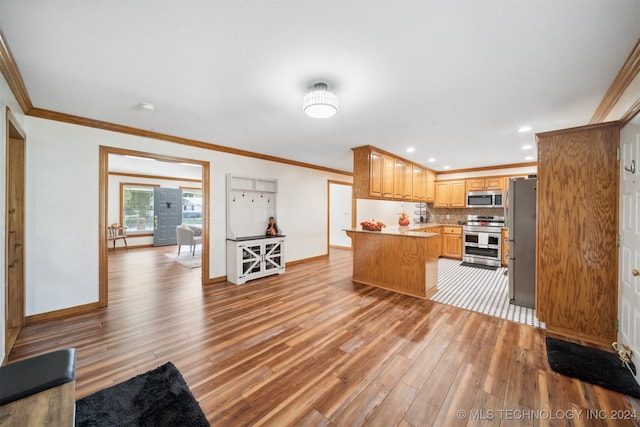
(629, 298)
(167, 214)
(14, 256)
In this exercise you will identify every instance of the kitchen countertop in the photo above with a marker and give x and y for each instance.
(395, 231)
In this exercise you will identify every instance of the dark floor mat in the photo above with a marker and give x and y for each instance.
(485, 267)
(592, 365)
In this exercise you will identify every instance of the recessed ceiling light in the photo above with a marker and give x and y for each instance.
(524, 129)
(146, 106)
(529, 158)
(410, 150)
(446, 167)
(431, 160)
(527, 147)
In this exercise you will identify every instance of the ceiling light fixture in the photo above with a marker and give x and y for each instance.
(524, 129)
(319, 103)
(410, 150)
(527, 147)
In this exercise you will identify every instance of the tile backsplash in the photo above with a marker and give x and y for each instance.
(388, 211)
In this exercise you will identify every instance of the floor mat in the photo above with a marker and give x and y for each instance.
(591, 365)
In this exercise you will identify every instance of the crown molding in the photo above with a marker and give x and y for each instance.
(11, 74)
(98, 124)
(625, 76)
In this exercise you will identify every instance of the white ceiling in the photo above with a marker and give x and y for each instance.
(454, 79)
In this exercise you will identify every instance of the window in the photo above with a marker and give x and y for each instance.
(137, 207)
(192, 206)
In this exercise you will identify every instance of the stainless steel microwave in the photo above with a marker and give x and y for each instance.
(485, 199)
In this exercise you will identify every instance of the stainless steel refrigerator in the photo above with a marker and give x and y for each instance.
(521, 222)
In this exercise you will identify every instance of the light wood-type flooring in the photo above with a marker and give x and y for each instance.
(311, 348)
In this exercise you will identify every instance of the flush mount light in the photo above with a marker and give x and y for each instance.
(319, 103)
(524, 129)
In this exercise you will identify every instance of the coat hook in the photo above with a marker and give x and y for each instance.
(234, 199)
(631, 168)
(168, 205)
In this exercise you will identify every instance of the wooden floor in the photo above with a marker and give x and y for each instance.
(311, 348)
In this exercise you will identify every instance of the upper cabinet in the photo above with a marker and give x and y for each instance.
(450, 194)
(481, 184)
(380, 175)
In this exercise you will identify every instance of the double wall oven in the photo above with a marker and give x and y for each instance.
(482, 242)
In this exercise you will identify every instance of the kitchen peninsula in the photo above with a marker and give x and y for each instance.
(400, 260)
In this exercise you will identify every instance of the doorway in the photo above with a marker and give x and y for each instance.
(103, 220)
(14, 241)
(340, 213)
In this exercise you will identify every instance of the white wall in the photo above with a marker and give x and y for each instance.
(62, 234)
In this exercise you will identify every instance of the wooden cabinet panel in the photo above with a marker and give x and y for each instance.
(452, 245)
(419, 186)
(485, 183)
(577, 224)
(505, 247)
(451, 194)
(431, 186)
(379, 175)
(402, 180)
(458, 194)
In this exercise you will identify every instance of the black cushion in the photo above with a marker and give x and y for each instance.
(36, 374)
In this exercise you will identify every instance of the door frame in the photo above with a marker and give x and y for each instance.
(14, 314)
(353, 209)
(103, 271)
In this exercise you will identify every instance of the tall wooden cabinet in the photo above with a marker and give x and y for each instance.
(577, 225)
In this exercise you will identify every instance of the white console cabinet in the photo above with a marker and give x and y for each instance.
(252, 254)
(251, 259)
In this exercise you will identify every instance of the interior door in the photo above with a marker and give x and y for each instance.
(629, 265)
(167, 215)
(14, 255)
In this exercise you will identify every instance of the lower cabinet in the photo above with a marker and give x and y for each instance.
(452, 242)
(252, 259)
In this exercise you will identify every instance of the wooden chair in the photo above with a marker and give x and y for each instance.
(116, 232)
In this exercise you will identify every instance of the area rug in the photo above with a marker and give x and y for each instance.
(591, 365)
(186, 259)
(158, 398)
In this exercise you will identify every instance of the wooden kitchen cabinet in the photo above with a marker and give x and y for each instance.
(402, 180)
(577, 224)
(380, 175)
(419, 185)
(505, 247)
(452, 242)
(450, 194)
(485, 183)
(431, 186)
(381, 172)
